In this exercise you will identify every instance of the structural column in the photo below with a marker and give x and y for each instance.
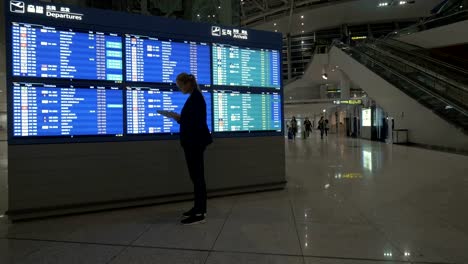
(345, 85)
(3, 88)
(288, 54)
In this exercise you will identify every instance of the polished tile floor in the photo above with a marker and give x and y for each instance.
(348, 201)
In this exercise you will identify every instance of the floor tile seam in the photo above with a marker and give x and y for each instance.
(373, 225)
(445, 221)
(111, 259)
(378, 229)
(221, 229)
(148, 228)
(297, 230)
(377, 260)
(311, 221)
(212, 251)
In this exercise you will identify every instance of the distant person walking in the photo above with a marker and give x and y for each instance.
(321, 126)
(294, 127)
(308, 127)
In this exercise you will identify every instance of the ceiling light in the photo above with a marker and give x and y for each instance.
(325, 76)
(219, 7)
(302, 42)
(302, 17)
(302, 31)
(402, 2)
(274, 24)
(302, 23)
(276, 30)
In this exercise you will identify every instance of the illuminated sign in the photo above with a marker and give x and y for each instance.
(17, 7)
(349, 176)
(52, 11)
(349, 102)
(358, 37)
(217, 31)
(366, 117)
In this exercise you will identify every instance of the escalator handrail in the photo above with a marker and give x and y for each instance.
(435, 75)
(422, 56)
(408, 30)
(417, 85)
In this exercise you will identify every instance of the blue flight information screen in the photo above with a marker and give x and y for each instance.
(235, 111)
(153, 60)
(143, 104)
(236, 66)
(50, 110)
(45, 52)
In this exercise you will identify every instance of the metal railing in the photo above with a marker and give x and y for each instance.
(431, 67)
(433, 96)
(432, 22)
(446, 60)
(458, 95)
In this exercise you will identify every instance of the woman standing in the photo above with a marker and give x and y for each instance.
(194, 138)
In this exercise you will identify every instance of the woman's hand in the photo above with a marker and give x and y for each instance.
(169, 114)
(174, 116)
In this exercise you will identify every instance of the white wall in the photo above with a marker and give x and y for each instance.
(424, 126)
(353, 12)
(306, 110)
(453, 34)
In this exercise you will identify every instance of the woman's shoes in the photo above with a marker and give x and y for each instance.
(194, 219)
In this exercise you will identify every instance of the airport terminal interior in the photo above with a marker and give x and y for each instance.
(339, 129)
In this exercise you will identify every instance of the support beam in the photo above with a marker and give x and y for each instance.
(259, 5)
(288, 54)
(291, 10)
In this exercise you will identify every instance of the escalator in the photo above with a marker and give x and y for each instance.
(440, 64)
(449, 100)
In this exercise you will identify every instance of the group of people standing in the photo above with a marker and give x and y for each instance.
(293, 127)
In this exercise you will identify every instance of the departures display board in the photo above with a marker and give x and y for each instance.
(236, 111)
(46, 52)
(88, 75)
(48, 110)
(143, 104)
